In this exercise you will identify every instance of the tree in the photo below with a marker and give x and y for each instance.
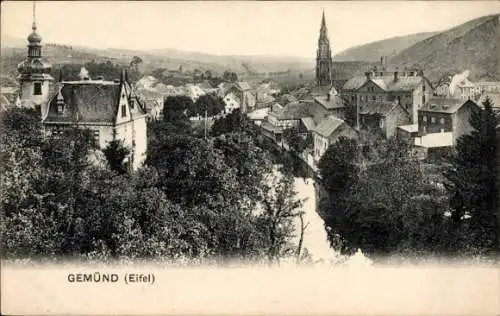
(214, 105)
(115, 154)
(472, 180)
(176, 107)
(234, 122)
(338, 169)
(280, 209)
(382, 204)
(298, 143)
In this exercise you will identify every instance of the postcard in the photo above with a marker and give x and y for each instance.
(250, 157)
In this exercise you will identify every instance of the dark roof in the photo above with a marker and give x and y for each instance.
(89, 102)
(354, 83)
(387, 83)
(327, 126)
(335, 102)
(444, 105)
(308, 123)
(293, 111)
(382, 108)
(338, 84)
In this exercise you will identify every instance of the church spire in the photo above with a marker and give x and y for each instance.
(34, 16)
(324, 56)
(323, 24)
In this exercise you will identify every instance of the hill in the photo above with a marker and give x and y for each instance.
(473, 46)
(390, 47)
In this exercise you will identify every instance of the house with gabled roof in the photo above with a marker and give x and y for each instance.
(110, 109)
(245, 93)
(441, 121)
(327, 132)
(382, 118)
(331, 104)
(409, 87)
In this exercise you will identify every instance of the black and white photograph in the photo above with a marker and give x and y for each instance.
(268, 134)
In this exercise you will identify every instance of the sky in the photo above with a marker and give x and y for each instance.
(233, 27)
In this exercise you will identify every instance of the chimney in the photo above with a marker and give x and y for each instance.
(368, 75)
(396, 75)
(382, 62)
(328, 96)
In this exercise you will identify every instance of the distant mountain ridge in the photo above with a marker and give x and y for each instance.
(473, 46)
(389, 47)
(159, 58)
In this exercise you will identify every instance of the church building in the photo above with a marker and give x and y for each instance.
(324, 63)
(110, 109)
(34, 75)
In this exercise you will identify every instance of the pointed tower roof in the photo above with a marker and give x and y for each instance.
(323, 33)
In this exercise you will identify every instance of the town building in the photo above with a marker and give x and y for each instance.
(409, 87)
(110, 109)
(324, 62)
(487, 87)
(328, 132)
(193, 91)
(441, 121)
(34, 78)
(382, 118)
(231, 102)
(330, 104)
(244, 93)
(464, 89)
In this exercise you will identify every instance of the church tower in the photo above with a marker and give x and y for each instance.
(324, 57)
(34, 74)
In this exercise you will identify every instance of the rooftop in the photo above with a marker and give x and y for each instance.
(413, 128)
(382, 108)
(327, 126)
(293, 111)
(386, 82)
(89, 102)
(443, 105)
(335, 102)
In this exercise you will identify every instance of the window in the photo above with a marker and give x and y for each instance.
(374, 98)
(441, 120)
(38, 88)
(60, 108)
(124, 110)
(132, 103)
(96, 137)
(433, 119)
(424, 118)
(381, 123)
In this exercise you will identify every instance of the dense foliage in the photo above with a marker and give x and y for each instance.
(383, 200)
(473, 182)
(195, 199)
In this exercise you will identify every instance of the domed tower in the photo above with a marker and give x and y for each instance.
(34, 74)
(324, 63)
